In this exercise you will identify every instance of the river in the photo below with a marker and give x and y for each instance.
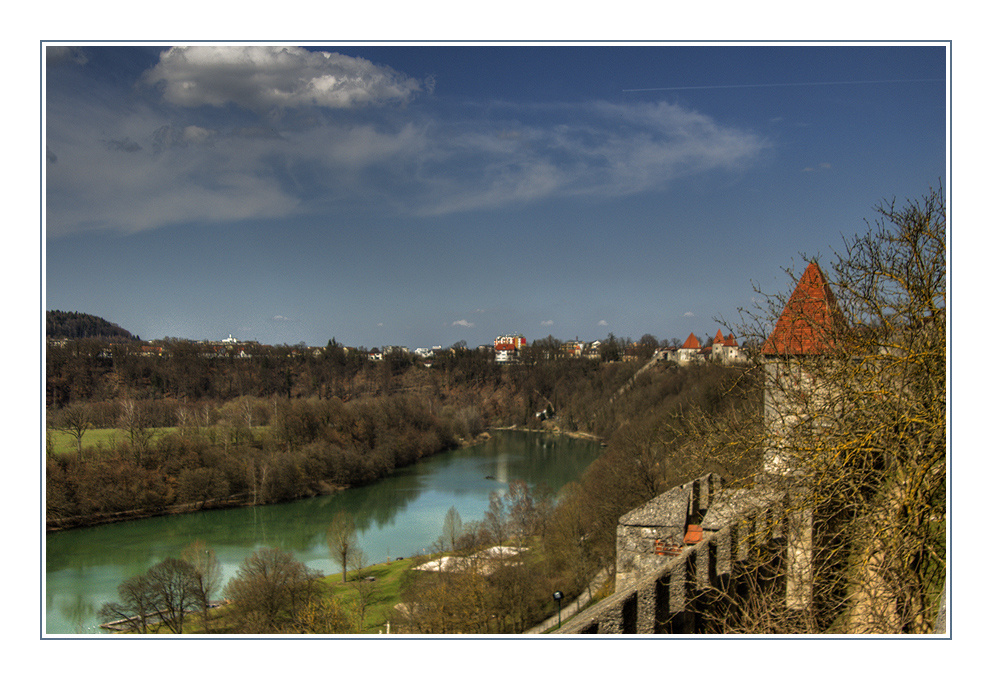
(398, 516)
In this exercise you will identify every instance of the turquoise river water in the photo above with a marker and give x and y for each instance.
(398, 516)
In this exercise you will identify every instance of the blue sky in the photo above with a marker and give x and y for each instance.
(423, 195)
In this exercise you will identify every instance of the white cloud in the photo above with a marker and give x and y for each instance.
(463, 322)
(587, 149)
(213, 166)
(689, 314)
(603, 323)
(549, 322)
(266, 77)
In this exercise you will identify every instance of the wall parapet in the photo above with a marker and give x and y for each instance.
(736, 523)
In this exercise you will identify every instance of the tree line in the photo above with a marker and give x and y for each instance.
(76, 325)
(245, 452)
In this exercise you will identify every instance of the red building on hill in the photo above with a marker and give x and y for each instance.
(508, 347)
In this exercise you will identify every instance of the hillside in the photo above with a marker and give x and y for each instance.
(76, 325)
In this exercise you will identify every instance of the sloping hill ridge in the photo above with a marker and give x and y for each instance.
(76, 325)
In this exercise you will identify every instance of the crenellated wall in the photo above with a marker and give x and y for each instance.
(668, 594)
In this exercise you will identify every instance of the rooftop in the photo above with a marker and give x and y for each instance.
(809, 320)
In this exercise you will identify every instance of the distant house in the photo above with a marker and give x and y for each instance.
(724, 350)
(150, 351)
(508, 348)
(690, 351)
(667, 353)
(592, 350)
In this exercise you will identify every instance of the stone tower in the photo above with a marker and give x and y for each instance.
(806, 331)
(796, 399)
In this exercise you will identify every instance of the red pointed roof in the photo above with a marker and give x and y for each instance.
(729, 341)
(692, 342)
(810, 319)
(718, 340)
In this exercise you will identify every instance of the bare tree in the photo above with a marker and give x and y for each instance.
(451, 529)
(137, 604)
(132, 421)
(521, 510)
(173, 584)
(342, 541)
(366, 590)
(207, 576)
(855, 428)
(74, 421)
(496, 522)
(272, 591)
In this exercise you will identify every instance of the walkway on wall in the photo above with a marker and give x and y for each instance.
(571, 610)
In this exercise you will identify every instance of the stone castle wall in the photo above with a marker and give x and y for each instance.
(651, 599)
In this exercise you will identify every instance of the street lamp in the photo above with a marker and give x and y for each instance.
(558, 595)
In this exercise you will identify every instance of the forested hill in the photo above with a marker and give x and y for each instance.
(75, 325)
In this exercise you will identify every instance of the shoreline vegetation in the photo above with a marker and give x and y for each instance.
(63, 524)
(242, 500)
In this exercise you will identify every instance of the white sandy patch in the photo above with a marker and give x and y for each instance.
(448, 563)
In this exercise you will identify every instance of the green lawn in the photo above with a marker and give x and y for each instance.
(385, 595)
(385, 591)
(95, 438)
(107, 437)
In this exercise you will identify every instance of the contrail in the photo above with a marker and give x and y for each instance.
(728, 87)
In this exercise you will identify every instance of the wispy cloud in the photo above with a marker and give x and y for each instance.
(602, 322)
(549, 322)
(689, 314)
(224, 156)
(463, 322)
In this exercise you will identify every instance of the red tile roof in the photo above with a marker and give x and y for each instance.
(810, 319)
(719, 337)
(692, 342)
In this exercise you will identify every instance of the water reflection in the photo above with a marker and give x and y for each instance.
(395, 517)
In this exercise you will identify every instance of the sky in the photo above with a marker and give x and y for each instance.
(426, 194)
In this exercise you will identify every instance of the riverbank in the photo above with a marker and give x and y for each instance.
(235, 501)
(552, 430)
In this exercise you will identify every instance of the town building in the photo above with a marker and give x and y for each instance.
(573, 349)
(508, 348)
(723, 350)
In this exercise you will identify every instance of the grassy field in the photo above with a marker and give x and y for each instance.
(385, 596)
(385, 592)
(105, 438)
